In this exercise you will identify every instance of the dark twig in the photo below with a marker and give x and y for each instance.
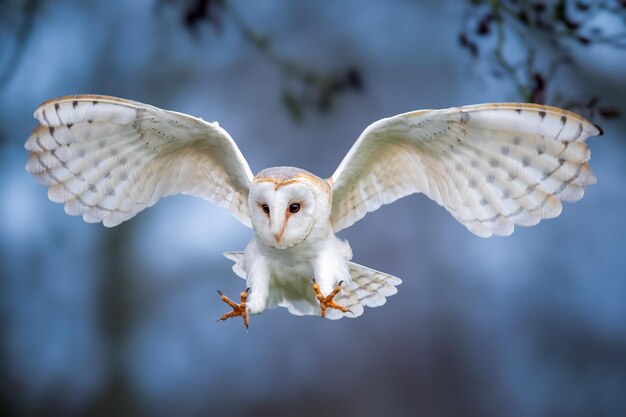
(542, 36)
(305, 88)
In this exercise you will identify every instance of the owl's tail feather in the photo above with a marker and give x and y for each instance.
(367, 288)
(237, 258)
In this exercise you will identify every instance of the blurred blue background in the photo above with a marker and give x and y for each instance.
(121, 322)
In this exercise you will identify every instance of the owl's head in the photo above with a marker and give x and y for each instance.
(286, 204)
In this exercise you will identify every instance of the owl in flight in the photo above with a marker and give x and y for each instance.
(491, 166)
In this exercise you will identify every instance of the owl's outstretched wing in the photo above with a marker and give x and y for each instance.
(107, 158)
(490, 165)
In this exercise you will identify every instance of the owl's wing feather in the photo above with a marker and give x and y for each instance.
(107, 158)
(490, 165)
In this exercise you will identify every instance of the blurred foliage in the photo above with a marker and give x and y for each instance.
(305, 88)
(17, 19)
(543, 36)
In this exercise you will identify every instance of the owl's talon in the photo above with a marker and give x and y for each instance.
(327, 302)
(238, 309)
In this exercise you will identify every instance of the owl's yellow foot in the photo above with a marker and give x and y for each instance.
(327, 302)
(238, 309)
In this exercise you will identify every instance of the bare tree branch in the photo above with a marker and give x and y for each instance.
(305, 88)
(543, 37)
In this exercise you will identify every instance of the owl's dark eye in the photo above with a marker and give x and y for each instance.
(265, 208)
(294, 208)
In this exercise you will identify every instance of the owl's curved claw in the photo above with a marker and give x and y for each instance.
(328, 302)
(238, 309)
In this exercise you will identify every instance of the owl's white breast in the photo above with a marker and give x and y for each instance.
(294, 268)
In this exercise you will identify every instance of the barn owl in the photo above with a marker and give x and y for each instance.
(491, 166)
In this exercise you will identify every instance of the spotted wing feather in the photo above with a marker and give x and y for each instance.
(491, 166)
(107, 159)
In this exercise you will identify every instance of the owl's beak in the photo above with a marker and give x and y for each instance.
(279, 235)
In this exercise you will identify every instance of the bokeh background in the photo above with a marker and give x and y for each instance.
(121, 322)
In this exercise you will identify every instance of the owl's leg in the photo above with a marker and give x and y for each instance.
(327, 302)
(238, 309)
